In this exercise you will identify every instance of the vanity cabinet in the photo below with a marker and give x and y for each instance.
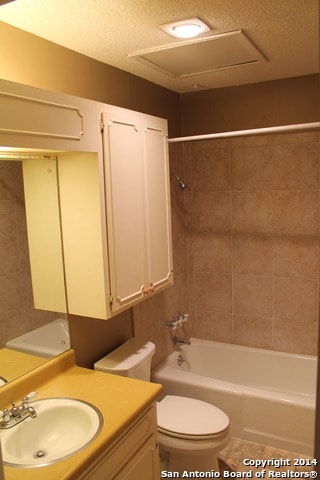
(138, 205)
(135, 455)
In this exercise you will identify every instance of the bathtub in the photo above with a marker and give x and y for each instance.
(46, 341)
(269, 396)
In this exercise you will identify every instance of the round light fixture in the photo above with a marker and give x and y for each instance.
(189, 28)
(186, 30)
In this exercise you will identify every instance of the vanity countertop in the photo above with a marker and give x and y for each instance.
(120, 400)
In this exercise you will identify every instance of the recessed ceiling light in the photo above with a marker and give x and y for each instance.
(189, 28)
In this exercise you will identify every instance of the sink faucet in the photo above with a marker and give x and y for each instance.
(10, 418)
(181, 341)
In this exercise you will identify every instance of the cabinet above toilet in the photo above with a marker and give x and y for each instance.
(114, 198)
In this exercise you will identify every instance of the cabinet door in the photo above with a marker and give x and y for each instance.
(144, 464)
(135, 456)
(44, 232)
(158, 219)
(80, 205)
(125, 207)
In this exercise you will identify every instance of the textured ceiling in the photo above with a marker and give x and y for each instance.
(286, 32)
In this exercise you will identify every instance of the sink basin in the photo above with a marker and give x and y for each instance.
(63, 427)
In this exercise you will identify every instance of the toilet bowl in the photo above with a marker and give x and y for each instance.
(191, 431)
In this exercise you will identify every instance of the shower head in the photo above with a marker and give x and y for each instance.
(181, 185)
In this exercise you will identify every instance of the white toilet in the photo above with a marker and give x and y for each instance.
(190, 430)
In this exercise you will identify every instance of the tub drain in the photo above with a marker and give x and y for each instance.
(40, 454)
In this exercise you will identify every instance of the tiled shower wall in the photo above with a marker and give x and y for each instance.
(253, 255)
(17, 314)
(245, 244)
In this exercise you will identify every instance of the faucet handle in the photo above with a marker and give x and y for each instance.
(172, 323)
(183, 317)
(14, 410)
(27, 399)
(4, 417)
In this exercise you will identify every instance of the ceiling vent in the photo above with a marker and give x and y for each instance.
(202, 55)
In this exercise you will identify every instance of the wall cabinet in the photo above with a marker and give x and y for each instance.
(133, 457)
(114, 199)
(138, 205)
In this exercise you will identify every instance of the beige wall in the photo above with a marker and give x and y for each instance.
(280, 102)
(30, 60)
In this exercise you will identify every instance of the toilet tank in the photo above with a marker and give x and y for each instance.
(132, 359)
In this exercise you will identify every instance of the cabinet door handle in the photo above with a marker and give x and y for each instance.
(145, 290)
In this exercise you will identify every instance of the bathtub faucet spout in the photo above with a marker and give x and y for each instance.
(181, 341)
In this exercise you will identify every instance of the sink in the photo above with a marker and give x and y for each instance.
(63, 427)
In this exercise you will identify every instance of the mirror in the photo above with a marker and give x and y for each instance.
(32, 289)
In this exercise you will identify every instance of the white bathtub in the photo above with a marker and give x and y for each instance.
(269, 396)
(46, 341)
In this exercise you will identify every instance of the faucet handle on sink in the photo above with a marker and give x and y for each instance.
(29, 397)
(4, 417)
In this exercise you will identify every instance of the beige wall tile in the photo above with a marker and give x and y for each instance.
(10, 291)
(7, 219)
(296, 299)
(296, 166)
(212, 253)
(252, 140)
(296, 211)
(11, 185)
(252, 212)
(211, 212)
(296, 256)
(252, 331)
(214, 326)
(213, 292)
(299, 137)
(179, 252)
(252, 168)
(253, 295)
(295, 337)
(210, 165)
(9, 256)
(253, 254)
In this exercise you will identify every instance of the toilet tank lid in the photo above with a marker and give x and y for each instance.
(129, 355)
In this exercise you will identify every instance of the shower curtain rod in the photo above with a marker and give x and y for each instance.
(252, 131)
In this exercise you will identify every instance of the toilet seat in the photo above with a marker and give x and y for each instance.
(189, 418)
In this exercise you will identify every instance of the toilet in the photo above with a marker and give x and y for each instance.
(191, 431)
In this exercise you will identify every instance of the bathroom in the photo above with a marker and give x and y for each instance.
(285, 248)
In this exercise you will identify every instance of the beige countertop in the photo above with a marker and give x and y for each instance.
(120, 400)
(13, 363)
